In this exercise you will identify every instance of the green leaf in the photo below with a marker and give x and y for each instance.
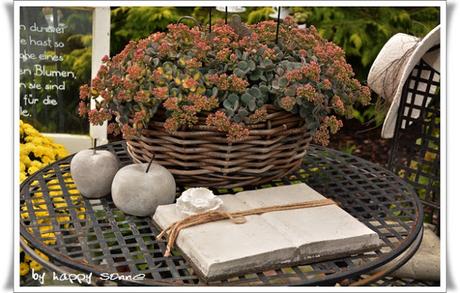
(252, 105)
(228, 105)
(255, 75)
(279, 70)
(246, 98)
(238, 53)
(233, 98)
(264, 89)
(232, 102)
(304, 112)
(259, 103)
(356, 40)
(267, 63)
(283, 82)
(357, 115)
(243, 65)
(254, 91)
(243, 113)
(229, 112)
(215, 90)
(290, 91)
(269, 76)
(174, 91)
(240, 73)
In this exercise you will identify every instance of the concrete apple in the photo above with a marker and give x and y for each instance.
(138, 189)
(93, 172)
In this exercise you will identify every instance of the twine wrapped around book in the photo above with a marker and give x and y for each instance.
(236, 217)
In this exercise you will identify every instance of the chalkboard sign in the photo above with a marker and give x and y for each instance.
(55, 59)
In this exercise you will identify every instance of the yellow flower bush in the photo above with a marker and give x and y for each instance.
(37, 152)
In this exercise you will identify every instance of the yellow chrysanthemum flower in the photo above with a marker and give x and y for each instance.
(32, 170)
(35, 265)
(28, 258)
(23, 269)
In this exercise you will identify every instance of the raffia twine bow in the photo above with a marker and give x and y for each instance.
(171, 232)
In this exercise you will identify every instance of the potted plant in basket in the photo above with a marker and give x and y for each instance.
(229, 107)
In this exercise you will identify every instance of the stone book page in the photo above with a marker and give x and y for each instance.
(222, 249)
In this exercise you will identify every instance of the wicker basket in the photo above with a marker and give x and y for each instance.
(201, 156)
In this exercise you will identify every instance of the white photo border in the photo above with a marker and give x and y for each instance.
(440, 4)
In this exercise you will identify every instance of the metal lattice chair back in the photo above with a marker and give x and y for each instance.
(415, 151)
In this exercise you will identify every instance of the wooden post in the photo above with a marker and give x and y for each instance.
(101, 47)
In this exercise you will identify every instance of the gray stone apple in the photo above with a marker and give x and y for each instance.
(137, 192)
(93, 172)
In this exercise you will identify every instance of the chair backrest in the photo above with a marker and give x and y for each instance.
(415, 150)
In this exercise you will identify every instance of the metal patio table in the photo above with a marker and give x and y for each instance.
(92, 235)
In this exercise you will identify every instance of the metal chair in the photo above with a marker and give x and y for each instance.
(414, 155)
(415, 150)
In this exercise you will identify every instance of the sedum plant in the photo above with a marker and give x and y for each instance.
(229, 77)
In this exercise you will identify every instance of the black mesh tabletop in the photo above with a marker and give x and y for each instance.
(92, 235)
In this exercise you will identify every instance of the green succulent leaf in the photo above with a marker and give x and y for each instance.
(264, 89)
(174, 91)
(269, 76)
(246, 98)
(252, 105)
(238, 53)
(268, 64)
(229, 112)
(233, 98)
(259, 103)
(290, 91)
(255, 92)
(240, 73)
(255, 75)
(215, 91)
(243, 113)
(283, 82)
(304, 112)
(228, 105)
(243, 65)
(231, 102)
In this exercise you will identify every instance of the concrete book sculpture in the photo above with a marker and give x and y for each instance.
(222, 249)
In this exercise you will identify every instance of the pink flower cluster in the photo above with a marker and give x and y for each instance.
(228, 83)
(235, 131)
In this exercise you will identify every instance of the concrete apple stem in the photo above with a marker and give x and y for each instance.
(94, 145)
(150, 163)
